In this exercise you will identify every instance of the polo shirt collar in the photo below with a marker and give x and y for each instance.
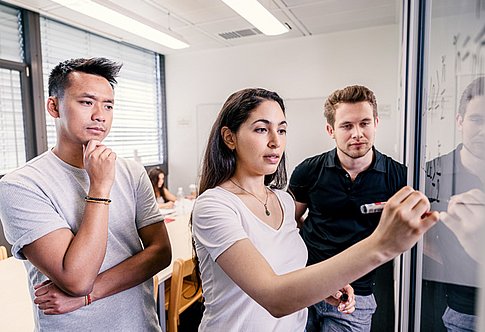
(378, 163)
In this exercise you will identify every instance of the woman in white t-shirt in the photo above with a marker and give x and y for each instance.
(251, 257)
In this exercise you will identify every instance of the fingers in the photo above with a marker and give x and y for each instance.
(99, 162)
(414, 206)
(404, 219)
(346, 300)
(430, 218)
(49, 309)
(89, 148)
(401, 195)
(42, 284)
(43, 288)
(411, 200)
(96, 150)
(349, 290)
(471, 197)
(348, 306)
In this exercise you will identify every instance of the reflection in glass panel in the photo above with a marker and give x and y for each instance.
(12, 146)
(455, 164)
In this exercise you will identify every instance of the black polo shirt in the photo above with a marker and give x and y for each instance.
(446, 176)
(334, 220)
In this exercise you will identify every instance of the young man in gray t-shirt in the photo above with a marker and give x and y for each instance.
(86, 222)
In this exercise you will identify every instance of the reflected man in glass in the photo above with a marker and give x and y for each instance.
(454, 185)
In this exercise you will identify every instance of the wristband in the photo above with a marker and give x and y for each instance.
(98, 200)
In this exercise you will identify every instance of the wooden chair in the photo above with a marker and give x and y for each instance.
(183, 292)
(155, 287)
(3, 253)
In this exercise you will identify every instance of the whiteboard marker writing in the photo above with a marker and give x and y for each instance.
(372, 208)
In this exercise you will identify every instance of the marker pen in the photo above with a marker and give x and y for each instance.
(372, 207)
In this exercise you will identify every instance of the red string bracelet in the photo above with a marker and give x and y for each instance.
(87, 299)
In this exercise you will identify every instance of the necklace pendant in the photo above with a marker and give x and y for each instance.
(267, 211)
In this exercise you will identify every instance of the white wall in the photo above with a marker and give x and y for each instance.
(303, 71)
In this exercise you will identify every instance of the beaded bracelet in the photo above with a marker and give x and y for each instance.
(87, 300)
(104, 201)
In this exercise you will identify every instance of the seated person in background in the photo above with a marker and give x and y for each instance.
(252, 258)
(164, 197)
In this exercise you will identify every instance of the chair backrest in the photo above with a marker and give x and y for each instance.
(183, 293)
(155, 287)
(3, 253)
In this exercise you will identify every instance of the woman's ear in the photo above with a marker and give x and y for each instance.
(53, 106)
(228, 137)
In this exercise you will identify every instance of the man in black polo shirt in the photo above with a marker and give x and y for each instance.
(333, 186)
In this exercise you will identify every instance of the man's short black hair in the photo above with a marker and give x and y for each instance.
(59, 76)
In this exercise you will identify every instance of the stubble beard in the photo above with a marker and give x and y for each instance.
(356, 154)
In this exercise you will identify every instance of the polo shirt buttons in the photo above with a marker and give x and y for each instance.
(347, 176)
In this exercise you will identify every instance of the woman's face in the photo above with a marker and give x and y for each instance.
(161, 179)
(261, 140)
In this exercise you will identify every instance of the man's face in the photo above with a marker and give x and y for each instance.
(85, 112)
(472, 127)
(354, 128)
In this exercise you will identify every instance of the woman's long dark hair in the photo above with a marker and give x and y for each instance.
(154, 174)
(219, 162)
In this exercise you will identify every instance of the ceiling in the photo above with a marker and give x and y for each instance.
(210, 24)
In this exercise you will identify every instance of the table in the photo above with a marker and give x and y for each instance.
(16, 307)
(181, 240)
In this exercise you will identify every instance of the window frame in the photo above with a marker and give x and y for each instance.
(32, 90)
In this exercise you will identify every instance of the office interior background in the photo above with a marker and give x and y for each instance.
(417, 56)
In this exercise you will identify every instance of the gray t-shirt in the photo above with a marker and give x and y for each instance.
(47, 194)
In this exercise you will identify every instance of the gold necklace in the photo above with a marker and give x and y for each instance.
(265, 203)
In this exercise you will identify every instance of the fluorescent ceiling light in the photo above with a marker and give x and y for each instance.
(257, 15)
(116, 19)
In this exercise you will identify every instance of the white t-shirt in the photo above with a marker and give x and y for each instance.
(220, 219)
(47, 194)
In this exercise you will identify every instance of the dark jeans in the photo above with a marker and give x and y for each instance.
(457, 322)
(323, 317)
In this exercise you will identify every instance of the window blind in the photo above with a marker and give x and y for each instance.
(136, 132)
(11, 40)
(12, 145)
